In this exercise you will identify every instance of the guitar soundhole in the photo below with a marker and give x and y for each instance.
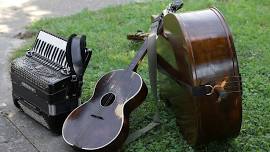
(107, 99)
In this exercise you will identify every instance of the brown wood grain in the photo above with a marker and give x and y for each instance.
(198, 48)
(86, 132)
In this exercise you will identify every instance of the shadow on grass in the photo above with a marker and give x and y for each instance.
(222, 145)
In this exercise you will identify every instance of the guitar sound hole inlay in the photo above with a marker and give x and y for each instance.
(107, 99)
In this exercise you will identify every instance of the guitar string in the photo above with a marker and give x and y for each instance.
(81, 132)
(97, 113)
(110, 97)
(107, 102)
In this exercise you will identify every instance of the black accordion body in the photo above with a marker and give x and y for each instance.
(44, 86)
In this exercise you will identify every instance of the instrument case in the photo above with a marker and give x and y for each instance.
(45, 94)
(199, 75)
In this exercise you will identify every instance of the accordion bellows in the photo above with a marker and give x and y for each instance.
(42, 85)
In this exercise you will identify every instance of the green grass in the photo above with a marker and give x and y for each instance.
(106, 32)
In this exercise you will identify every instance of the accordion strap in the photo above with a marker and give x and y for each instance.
(77, 57)
(75, 54)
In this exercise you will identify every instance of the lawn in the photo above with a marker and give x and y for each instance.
(106, 32)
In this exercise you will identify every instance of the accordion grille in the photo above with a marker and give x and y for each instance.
(33, 77)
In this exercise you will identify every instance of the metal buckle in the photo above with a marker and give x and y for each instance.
(73, 78)
(65, 71)
(212, 89)
(228, 86)
(29, 53)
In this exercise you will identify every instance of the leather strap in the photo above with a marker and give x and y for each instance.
(137, 134)
(152, 64)
(204, 89)
(233, 83)
(77, 56)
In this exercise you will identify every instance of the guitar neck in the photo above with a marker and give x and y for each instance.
(139, 56)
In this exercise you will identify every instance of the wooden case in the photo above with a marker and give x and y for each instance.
(197, 48)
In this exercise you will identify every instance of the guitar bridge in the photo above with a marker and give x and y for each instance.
(98, 117)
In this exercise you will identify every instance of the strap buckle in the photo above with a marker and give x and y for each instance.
(229, 84)
(211, 89)
(74, 78)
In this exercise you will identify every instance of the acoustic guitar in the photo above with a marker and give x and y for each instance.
(102, 123)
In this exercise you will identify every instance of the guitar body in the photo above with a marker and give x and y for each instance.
(102, 123)
(197, 48)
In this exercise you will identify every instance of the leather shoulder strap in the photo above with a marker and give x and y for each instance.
(77, 55)
(68, 53)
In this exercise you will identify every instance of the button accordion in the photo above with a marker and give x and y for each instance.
(43, 86)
